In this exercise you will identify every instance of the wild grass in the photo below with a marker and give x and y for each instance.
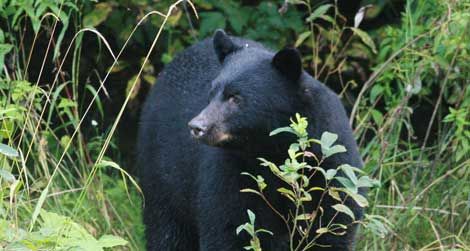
(53, 166)
(425, 191)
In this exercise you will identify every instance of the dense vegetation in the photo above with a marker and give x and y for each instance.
(74, 73)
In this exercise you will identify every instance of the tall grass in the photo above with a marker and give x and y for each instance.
(48, 163)
(411, 115)
(425, 177)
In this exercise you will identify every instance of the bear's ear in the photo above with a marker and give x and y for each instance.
(223, 45)
(289, 63)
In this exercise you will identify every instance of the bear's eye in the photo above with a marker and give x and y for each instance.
(235, 99)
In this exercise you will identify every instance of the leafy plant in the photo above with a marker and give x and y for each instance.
(249, 227)
(297, 173)
(50, 235)
(410, 118)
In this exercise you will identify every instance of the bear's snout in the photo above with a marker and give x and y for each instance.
(207, 131)
(197, 128)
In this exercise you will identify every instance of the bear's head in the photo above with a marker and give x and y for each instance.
(255, 92)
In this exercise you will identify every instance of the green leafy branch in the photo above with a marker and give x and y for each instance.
(297, 172)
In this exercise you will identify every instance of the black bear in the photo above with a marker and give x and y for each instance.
(206, 120)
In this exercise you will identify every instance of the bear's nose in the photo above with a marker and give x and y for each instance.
(197, 129)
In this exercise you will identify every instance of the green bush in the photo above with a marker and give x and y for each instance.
(297, 173)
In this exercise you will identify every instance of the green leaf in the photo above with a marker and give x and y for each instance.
(118, 66)
(264, 231)
(149, 78)
(288, 193)
(211, 21)
(305, 217)
(282, 129)
(302, 38)
(8, 151)
(250, 228)
(375, 92)
(64, 18)
(318, 12)
(133, 87)
(85, 244)
(348, 170)
(274, 169)
(327, 139)
(306, 196)
(296, 2)
(109, 241)
(260, 182)
(249, 190)
(251, 216)
(7, 176)
(359, 199)
(250, 175)
(377, 116)
(365, 181)
(239, 16)
(65, 140)
(328, 19)
(240, 228)
(334, 194)
(330, 174)
(334, 150)
(377, 224)
(344, 209)
(4, 49)
(98, 15)
(66, 103)
(322, 230)
(316, 189)
(347, 183)
(365, 38)
(37, 208)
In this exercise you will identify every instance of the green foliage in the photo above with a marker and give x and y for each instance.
(4, 49)
(55, 232)
(18, 13)
(52, 196)
(98, 15)
(461, 136)
(330, 52)
(416, 110)
(8, 151)
(24, 225)
(249, 227)
(296, 173)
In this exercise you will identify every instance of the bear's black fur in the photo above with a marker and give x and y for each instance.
(233, 92)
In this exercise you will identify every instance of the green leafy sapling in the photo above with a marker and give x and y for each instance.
(298, 170)
(249, 227)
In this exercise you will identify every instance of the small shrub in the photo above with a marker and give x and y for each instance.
(296, 173)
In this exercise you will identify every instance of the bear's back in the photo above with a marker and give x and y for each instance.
(173, 100)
